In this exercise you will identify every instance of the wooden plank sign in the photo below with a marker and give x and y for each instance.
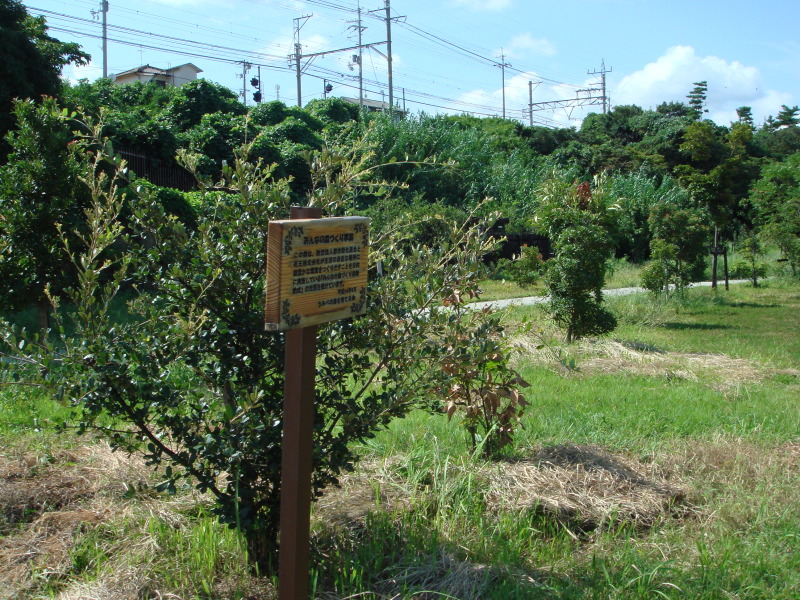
(316, 271)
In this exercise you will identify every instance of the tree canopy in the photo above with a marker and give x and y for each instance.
(30, 61)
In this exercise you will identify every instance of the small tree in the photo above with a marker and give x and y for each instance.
(574, 215)
(194, 382)
(776, 197)
(677, 249)
(479, 381)
(750, 246)
(575, 278)
(39, 189)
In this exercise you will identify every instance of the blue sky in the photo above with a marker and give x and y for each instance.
(446, 52)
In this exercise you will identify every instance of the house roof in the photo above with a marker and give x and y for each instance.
(150, 70)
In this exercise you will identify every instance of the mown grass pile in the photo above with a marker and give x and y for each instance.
(661, 461)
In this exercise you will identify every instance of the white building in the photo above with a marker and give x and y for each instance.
(174, 76)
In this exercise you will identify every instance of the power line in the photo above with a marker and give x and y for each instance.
(231, 55)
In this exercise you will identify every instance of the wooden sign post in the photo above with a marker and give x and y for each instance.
(316, 272)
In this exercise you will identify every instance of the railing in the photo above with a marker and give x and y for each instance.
(156, 172)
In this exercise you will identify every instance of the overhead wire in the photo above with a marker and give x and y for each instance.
(193, 48)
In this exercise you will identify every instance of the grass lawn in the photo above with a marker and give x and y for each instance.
(659, 462)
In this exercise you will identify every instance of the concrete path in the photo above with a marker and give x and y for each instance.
(531, 300)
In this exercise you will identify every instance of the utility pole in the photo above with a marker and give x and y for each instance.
(104, 12)
(388, 18)
(104, 8)
(602, 72)
(245, 68)
(530, 99)
(298, 54)
(389, 53)
(503, 64)
(359, 57)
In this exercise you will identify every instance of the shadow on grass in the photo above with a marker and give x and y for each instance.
(751, 305)
(401, 556)
(694, 326)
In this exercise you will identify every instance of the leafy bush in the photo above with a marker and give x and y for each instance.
(312, 122)
(679, 244)
(268, 113)
(196, 384)
(40, 197)
(577, 216)
(480, 382)
(198, 98)
(295, 131)
(525, 270)
(332, 110)
(215, 137)
(173, 202)
(575, 279)
(264, 149)
(742, 269)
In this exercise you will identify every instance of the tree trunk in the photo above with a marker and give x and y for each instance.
(725, 266)
(43, 310)
(262, 550)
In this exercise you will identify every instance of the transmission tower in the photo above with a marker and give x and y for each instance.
(602, 72)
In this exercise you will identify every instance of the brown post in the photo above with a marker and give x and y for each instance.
(725, 262)
(714, 254)
(297, 450)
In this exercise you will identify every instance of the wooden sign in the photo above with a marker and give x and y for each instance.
(316, 271)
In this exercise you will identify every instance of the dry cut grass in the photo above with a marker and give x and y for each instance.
(588, 488)
(48, 506)
(722, 373)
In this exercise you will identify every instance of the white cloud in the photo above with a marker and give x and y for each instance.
(672, 76)
(74, 73)
(524, 44)
(478, 5)
(281, 48)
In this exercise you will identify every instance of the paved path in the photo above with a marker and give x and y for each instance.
(530, 300)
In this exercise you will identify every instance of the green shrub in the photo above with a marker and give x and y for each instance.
(525, 270)
(742, 269)
(295, 131)
(174, 202)
(332, 110)
(575, 278)
(195, 384)
(268, 113)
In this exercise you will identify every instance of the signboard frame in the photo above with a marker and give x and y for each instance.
(316, 271)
